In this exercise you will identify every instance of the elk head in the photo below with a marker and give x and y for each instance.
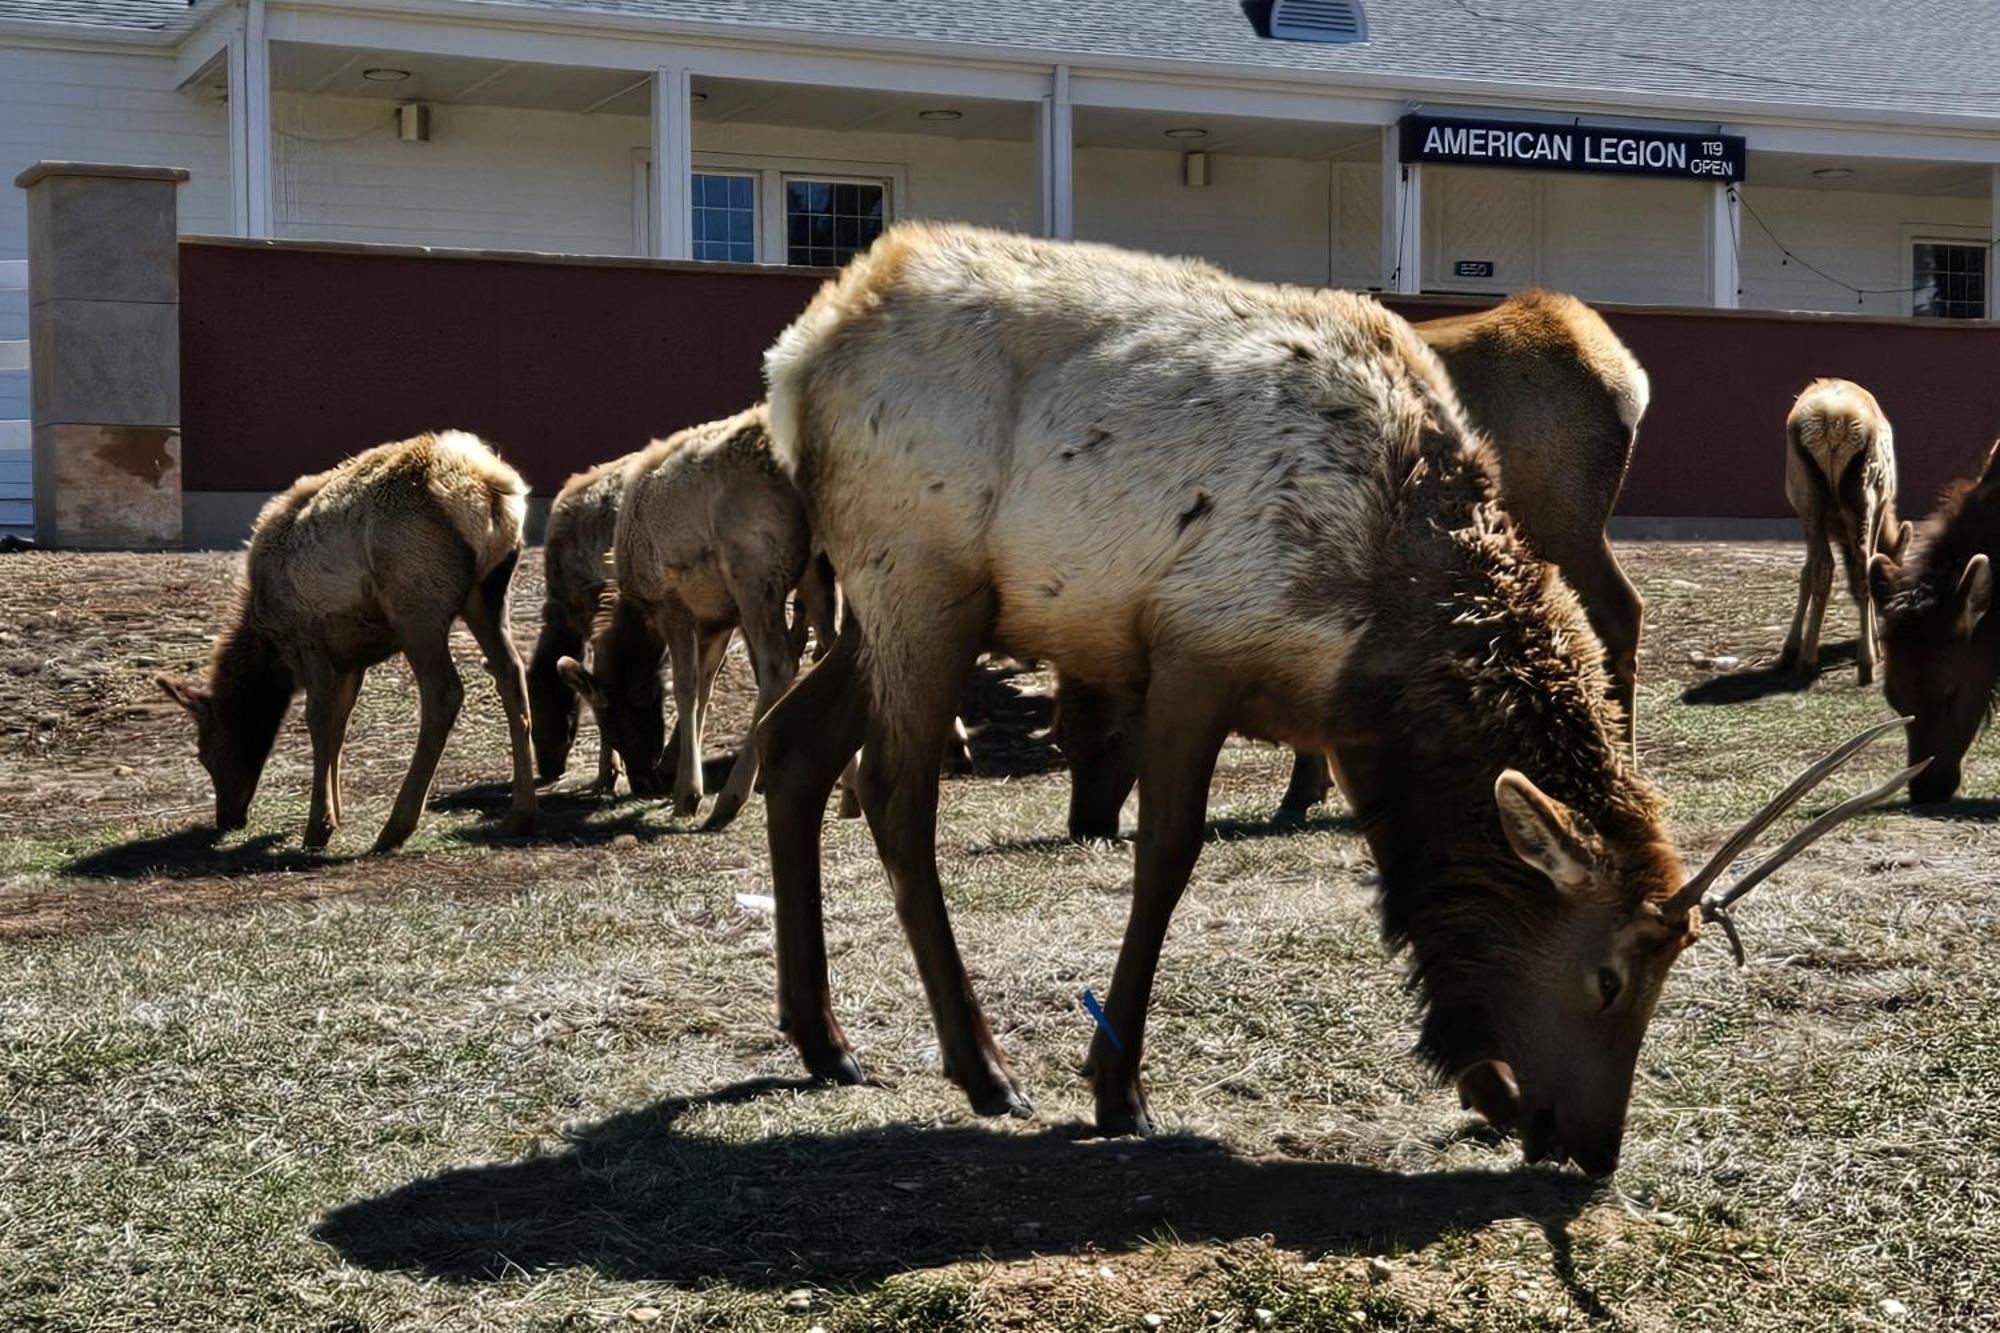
(1568, 1005)
(232, 755)
(552, 701)
(1940, 672)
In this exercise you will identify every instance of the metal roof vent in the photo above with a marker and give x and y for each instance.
(1343, 22)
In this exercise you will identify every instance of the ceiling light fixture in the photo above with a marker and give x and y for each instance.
(1833, 173)
(383, 74)
(1187, 132)
(941, 114)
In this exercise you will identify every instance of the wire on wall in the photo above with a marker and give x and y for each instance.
(1791, 256)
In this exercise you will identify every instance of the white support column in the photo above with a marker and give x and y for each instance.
(1993, 245)
(1055, 158)
(1402, 217)
(1725, 245)
(673, 165)
(255, 101)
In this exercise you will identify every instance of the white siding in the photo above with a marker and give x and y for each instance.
(1603, 238)
(1263, 217)
(1858, 237)
(489, 176)
(102, 107)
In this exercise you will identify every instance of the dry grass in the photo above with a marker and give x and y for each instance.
(537, 1085)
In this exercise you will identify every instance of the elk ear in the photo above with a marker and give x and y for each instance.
(1542, 832)
(1975, 595)
(578, 677)
(1904, 531)
(1992, 463)
(1882, 572)
(191, 697)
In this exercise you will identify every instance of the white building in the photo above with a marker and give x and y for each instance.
(1870, 134)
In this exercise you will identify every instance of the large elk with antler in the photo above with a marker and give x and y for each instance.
(1938, 631)
(347, 568)
(1559, 398)
(1259, 509)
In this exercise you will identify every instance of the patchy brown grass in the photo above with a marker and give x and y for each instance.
(537, 1084)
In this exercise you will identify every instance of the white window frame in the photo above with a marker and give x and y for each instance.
(757, 202)
(772, 173)
(1937, 233)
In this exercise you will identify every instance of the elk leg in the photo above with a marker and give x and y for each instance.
(775, 662)
(804, 742)
(1095, 731)
(1312, 780)
(1617, 613)
(1855, 554)
(684, 660)
(439, 696)
(927, 671)
(1186, 723)
(319, 724)
(346, 690)
(485, 613)
(850, 789)
(1801, 654)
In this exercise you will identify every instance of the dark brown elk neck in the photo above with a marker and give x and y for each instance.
(250, 687)
(1476, 659)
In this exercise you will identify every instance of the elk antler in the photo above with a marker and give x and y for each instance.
(1716, 908)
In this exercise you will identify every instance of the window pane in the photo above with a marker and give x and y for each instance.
(829, 222)
(1949, 280)
(724, 216)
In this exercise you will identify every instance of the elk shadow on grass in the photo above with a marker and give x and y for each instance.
(196, 852)
(1960, 809)
(1738, 687)
(637, 1198)
(576, 815)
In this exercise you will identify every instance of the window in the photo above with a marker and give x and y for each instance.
(1948, 280)
(725, 217)
(746, 208)
(828, 222)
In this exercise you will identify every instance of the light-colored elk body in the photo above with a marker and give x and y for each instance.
(583, 522)
(1255, 508)
(1840, 476)
(345, 569)
(711, 535)
(1560, 399)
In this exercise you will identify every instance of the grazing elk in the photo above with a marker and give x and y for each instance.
(1840, 475)
(711, 535)
(1260, 509)
(1559, 398)
(1943, 647)
(344, 570)
(582, 522)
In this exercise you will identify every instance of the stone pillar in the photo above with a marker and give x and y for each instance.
(104, 352)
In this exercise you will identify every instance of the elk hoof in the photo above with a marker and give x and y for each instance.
(389, 839)
(521, 823)
(317, 838)
(720, 817)
(686, 806)
(1123, 1115)
(1004, 1098)
(1291, 815)
(836, 1066)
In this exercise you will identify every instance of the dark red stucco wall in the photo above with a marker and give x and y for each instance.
(293, 356)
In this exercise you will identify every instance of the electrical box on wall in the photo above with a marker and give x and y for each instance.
(413, 122)
(1194, 169)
